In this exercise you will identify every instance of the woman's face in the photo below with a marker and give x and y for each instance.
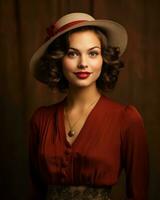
(82, 63)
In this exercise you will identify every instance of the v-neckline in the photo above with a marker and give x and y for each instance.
(81, 133)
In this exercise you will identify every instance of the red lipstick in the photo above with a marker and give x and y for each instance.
(82, 75)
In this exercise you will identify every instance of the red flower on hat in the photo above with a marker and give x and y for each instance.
(50, 31)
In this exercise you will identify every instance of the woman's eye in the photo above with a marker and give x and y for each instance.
(93, 53)
(72, 54)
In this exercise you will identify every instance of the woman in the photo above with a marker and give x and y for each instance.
(79, 146)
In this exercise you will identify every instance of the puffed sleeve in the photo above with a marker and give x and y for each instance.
(135, 155)
(37, 188)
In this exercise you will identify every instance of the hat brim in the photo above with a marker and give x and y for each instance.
(116, 36)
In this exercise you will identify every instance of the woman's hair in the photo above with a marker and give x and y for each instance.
(49, 67)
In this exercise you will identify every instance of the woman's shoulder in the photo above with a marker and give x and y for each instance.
(45, 112)
(132, 118)
(112, 105)
(132, 112)
(128, 111)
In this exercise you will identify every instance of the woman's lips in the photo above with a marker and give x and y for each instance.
(82, 75)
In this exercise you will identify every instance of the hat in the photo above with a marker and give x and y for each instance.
(116, 33)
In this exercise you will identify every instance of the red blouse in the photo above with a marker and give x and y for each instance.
(113, 138)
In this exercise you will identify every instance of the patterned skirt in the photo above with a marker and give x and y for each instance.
(78, 193)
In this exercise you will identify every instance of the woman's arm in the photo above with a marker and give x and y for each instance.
(37, 188)
(135, 156)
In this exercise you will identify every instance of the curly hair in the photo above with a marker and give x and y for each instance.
(49, 67)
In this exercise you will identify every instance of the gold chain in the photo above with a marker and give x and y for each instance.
(71, 133)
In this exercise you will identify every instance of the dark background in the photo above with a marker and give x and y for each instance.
(22, 29)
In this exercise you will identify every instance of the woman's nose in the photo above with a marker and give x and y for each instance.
(82, 63)
(82, 66)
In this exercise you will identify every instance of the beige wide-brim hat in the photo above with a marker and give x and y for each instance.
(116, 33)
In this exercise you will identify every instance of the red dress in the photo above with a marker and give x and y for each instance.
(113, 138)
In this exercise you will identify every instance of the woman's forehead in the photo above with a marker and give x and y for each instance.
(87, 39)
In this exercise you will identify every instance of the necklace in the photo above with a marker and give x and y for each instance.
(72, 132)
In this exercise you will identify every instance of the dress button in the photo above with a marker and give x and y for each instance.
(67, 151)
(64, 173)
(64, 164)
(68, 145)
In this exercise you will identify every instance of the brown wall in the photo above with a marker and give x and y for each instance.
(22, 30)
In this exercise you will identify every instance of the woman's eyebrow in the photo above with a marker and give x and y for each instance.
(72, 48)
(94, 47)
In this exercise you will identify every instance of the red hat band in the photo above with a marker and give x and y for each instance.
(53, 30)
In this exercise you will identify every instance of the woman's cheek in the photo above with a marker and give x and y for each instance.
(97, 65)
(68, 65)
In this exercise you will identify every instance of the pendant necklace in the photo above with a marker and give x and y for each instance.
(72, 132)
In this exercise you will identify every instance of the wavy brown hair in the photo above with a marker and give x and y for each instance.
(49, 67)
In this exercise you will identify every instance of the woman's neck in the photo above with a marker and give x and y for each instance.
(82, 97)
